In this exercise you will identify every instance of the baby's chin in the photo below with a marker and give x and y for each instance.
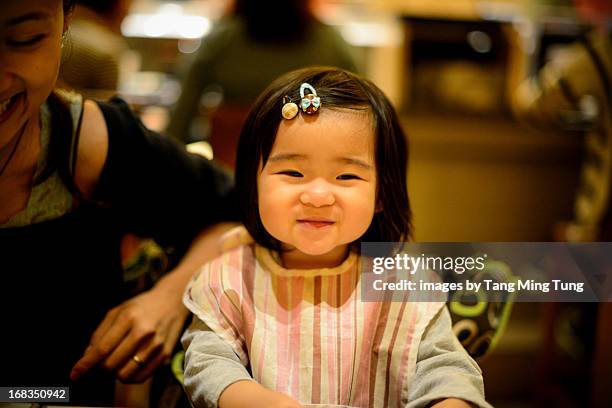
(314, 247)
(316, 254)
(315, 251)
(322, 249)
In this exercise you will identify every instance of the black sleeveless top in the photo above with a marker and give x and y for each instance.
(60, 276)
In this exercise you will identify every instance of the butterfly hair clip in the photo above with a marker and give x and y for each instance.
(309, 103)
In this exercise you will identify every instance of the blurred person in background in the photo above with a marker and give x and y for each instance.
(92, 55)
(244, 53)
(573, 92)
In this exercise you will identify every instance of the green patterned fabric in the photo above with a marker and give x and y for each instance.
(50, 199)
(478, 322)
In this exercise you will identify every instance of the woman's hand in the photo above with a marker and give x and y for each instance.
(135, 337)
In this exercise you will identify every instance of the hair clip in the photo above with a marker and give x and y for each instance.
(290, 109)
(310, 103)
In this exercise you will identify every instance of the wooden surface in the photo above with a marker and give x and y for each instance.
(488, 179)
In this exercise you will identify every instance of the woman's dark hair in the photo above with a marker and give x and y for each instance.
(61, 137)
(100, 7)
(338, 89)
(68, 5)
(275, 20)
(60, 141)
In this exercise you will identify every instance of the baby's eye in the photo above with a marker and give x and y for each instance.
(348, 177)
(25, 42)
(291, 173)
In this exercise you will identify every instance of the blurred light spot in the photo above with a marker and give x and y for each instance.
(479, 41)
(189, 46)
(202, 148)
(170, 8)
(169, 21)
(155, 26)
(371, 34)
(194, 27)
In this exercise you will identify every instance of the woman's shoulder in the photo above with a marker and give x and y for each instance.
(92, 149)
(104, 125)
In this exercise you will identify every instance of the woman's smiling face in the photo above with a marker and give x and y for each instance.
(30, 55)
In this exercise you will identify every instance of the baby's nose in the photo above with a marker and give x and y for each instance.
(318, 195)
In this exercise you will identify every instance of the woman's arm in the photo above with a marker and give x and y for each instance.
(156, 190)
(149, 324)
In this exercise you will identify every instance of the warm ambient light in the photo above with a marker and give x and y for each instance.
(169, 21)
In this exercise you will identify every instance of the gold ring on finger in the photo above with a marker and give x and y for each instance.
(137, 359)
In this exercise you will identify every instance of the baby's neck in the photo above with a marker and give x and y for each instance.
(295, 259)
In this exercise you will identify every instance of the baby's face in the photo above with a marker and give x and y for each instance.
(317, 192)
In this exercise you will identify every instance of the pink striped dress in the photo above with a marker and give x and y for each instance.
(306, 333)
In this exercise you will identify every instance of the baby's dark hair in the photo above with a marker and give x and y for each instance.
(338, 89)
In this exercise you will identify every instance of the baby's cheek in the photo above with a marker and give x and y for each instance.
(266, 211)
(363, 217)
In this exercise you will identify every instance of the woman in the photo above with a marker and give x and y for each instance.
(75, 176)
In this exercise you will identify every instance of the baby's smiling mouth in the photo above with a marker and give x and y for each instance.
(316, 222)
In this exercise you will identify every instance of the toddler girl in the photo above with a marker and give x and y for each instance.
(321, 167)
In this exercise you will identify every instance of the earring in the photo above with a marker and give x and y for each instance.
(64, 38)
